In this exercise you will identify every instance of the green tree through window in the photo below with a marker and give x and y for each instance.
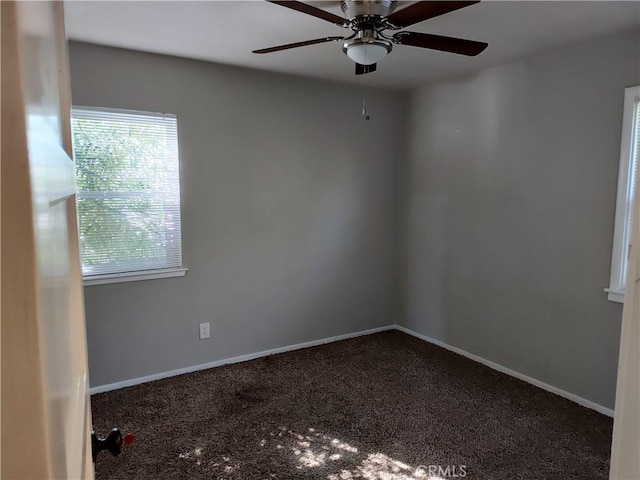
(128, 191)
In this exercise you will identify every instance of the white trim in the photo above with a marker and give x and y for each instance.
(251, 356)
(238, 359)
(537, 383)
(133, 276)
(622, 233)
(614, 295)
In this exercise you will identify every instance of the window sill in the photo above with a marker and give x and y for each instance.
(615, 295)
(89, 281)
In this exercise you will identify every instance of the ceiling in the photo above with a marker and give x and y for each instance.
(227, 32)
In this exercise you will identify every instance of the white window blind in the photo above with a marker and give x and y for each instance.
(127, 171)
(631, 191)
(627, 173)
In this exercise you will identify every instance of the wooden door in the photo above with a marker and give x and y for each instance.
(45, 402)
(625, 452)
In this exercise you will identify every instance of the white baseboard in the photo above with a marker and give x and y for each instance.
(242, 358)
(545, 386)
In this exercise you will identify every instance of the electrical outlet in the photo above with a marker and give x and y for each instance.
(205, 331)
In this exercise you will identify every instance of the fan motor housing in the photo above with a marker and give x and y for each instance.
(367, 8)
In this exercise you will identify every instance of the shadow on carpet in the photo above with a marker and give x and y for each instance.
(386, 406)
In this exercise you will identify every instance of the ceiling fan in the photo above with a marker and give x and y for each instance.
(370, 18)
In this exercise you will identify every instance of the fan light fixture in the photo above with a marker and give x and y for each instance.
(366, 53)
(366, 50)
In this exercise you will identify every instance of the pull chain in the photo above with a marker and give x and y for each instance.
(365, 85)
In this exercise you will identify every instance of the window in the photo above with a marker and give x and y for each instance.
(127, 171)
(626, 189)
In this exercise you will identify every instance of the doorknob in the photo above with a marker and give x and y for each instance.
(113, 442)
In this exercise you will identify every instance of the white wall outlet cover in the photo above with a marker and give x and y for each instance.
(205, 331)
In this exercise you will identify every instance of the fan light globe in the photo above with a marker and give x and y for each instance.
(366, 53)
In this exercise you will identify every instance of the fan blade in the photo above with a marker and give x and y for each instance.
(437, 42)
(313, 11)
(364, 69)
(298, 44)
(421, 11)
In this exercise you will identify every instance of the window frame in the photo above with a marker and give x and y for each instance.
(624, 201)
(132, 275)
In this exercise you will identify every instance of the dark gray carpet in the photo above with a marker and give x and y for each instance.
(386, 406)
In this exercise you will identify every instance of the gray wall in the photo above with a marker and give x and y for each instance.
(501, 236)
(287, 212)
(509, 196)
